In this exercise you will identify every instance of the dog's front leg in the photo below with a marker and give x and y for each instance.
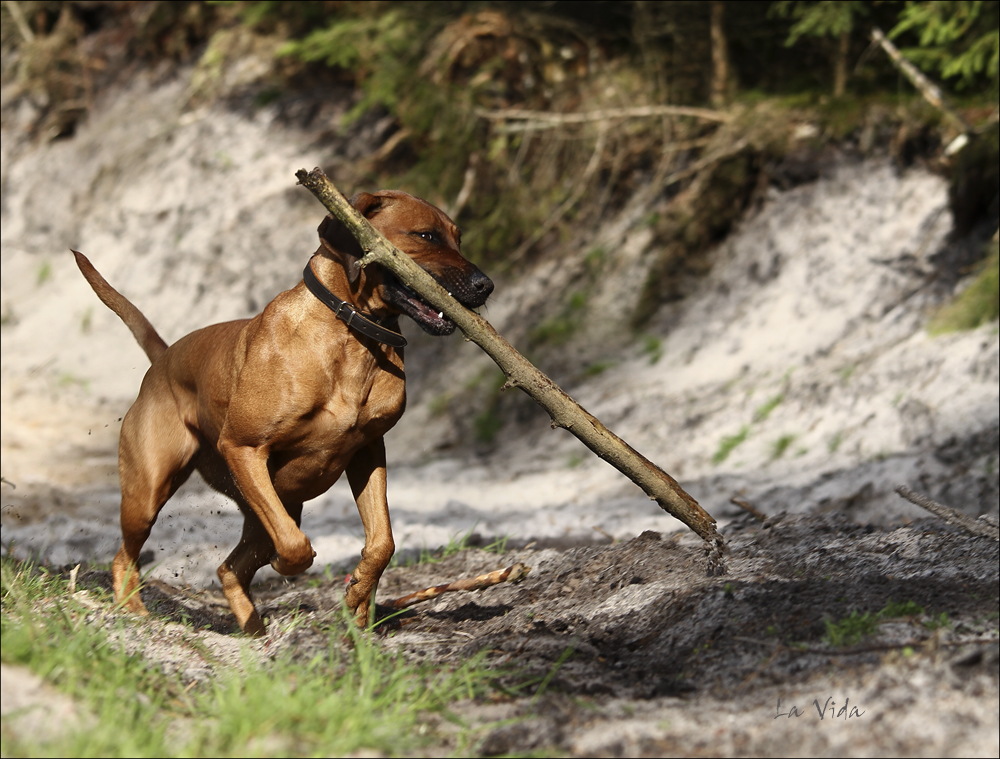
(366, 473)
(293, 551)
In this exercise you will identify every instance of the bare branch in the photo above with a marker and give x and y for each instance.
(749, 508)
(581, 187)
(546, 119)
(20, 21)
(927, 88)
(564, 411)
(949, 515)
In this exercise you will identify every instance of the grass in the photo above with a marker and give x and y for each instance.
(729, 443)
(498, 546)
(68, 379)
(977, 304)
(44, 273)
(781, 445)
(938, 621)
(652, 346)
(853, 628)
(457, 542)
(760, 414)
(558, 329)
(763, 411)
(488, 422)
(598, 367)
(353, 699)
(894, 610)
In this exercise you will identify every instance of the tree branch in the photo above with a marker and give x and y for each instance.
(927, 88)
(981, 526)
(549, 119)
(564, 411)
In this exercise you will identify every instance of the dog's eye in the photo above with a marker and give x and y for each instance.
(428, 236)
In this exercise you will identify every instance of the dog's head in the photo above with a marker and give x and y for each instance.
(425, 234)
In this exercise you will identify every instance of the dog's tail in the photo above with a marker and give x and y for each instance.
(144, 332)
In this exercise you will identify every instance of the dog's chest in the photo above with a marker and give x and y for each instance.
(318, 446)
(363, 402)
(381, 407)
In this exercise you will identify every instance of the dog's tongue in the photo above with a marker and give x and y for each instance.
(434, 322)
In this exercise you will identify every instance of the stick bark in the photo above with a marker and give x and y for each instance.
(513, 573)
(564, 411)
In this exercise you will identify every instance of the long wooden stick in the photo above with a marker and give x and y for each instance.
(564, 411)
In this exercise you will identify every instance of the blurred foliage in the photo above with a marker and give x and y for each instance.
(958, 39)
(444, 73)
(978, 303)
(828, 18)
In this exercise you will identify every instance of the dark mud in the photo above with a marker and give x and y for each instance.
(630, 649)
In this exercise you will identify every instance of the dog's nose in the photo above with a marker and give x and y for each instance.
(482, 285)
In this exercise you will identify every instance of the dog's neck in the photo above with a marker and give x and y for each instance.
(348, 309)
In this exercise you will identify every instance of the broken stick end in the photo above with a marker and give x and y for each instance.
(715, 553)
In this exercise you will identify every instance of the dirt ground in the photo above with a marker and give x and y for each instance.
(633, 651)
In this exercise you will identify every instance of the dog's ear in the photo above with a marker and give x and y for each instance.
(341, 245)
(367, 204)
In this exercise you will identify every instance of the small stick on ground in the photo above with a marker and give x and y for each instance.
(949, 515)
(748, 507)
(513, 573)
(605, 533)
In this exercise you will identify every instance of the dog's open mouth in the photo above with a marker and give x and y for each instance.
(430, 320)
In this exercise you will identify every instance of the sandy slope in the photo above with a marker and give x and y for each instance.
(818, 301)
(807, 329)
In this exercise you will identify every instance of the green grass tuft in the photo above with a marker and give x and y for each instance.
(977, 304)
(652, 346)
(895, 610)
(780, 445)
(764, 410)
(729, 443)
(851, 629)
(856, 626)
(353, 700)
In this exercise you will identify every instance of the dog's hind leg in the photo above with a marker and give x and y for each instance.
(254, 551)
(154, 459)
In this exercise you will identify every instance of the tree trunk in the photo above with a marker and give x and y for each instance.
(840, 65)
(720, 57)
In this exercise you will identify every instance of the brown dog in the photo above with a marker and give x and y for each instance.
(272, 410)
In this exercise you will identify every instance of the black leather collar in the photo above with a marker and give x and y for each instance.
(348, 315)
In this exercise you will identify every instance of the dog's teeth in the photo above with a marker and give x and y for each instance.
(440, 314)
